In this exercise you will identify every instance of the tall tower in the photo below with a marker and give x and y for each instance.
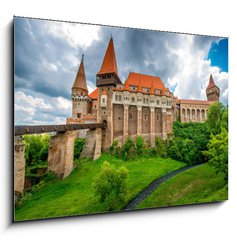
(80, 99)
(212, 91)
(106, 79)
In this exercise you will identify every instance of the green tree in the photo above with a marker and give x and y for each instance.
(217, 117)
(36, 148)
(217, 152)
(110, 185)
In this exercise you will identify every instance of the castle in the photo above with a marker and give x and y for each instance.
(141, 106)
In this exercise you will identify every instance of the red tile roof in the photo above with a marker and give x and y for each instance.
(109, 64)
(95, 94)
(146, 81)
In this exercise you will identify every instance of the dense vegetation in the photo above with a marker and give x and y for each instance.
(189, 142)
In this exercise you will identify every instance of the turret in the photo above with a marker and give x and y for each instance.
(106, 80)
(212, 91)
(79, 94)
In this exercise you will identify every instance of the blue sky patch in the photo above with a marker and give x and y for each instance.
(219, 54)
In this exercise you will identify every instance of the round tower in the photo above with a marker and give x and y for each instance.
(79, 94)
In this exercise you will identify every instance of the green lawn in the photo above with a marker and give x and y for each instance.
(75, 194)
(196, 185)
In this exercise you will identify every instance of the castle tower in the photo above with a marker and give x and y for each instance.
(80, 99)
(106, 79)
(212, 91)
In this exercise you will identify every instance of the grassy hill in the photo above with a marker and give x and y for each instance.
(197, 185)
(75, 194)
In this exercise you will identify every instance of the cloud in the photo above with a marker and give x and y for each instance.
(40, 110)
(48, 55)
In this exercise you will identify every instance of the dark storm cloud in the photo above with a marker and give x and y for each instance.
(46, 63)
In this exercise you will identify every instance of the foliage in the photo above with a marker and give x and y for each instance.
(161, 147)
(111, 186)
(36, 148)
(217, 152)
(189, 142)
(217, 117)
(78, 147)
(128, 150)
(140, 145)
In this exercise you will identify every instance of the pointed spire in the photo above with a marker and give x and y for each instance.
(109, 64)
(80, 80)
(211, 83)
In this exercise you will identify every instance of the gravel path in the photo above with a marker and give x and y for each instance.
(154, 185)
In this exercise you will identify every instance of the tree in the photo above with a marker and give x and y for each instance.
(217, 152)
(36, 151)
(217, 117)
(110, 185)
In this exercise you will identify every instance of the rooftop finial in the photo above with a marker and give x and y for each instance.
(82, 57)
(111, 36)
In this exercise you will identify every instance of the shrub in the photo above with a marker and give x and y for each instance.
(110, 185)
(161, 147)
(128, 149)
(140, 145)
(78, 147)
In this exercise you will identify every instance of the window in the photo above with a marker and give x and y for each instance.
(158, 117)
(120, 98)
(133, 99)
(78, 115)
(103, 100)
(157, 102)
(116, 97)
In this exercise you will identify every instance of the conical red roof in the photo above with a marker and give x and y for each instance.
(80, 80)
(211, 83)
(109, 64)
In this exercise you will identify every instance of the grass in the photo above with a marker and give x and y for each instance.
(197, 185)
(75, 194)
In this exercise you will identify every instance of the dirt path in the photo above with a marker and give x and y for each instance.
(154, 185)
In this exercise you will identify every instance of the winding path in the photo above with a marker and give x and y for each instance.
(154, 185)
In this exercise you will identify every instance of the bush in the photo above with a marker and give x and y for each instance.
(128, 149)
(140, 145)
(110, 185)
(78, 147)
(161, 147)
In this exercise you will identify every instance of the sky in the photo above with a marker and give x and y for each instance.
(47, 55)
